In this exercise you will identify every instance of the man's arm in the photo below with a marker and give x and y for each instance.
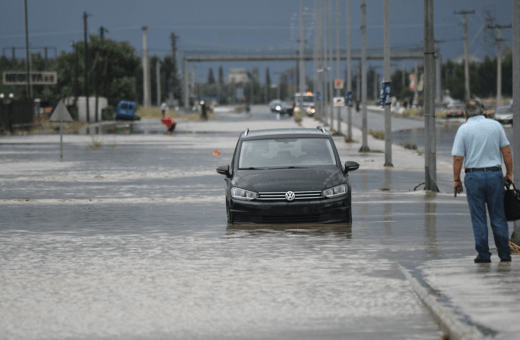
(457, 167)
(508, 160)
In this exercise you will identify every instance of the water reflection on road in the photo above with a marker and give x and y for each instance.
(131, 241)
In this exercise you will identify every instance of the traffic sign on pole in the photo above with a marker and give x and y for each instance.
(338, 84)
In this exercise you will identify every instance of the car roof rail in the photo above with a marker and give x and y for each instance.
(246, 132)
(322, 129)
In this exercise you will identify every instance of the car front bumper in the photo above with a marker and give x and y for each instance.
(321, 211)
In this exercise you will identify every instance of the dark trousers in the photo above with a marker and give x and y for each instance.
(486, 188)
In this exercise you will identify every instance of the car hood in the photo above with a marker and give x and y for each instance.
(299, 179)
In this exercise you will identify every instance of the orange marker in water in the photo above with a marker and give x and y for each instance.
(216, 153)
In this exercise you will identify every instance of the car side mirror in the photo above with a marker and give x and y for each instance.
(351, 166)
(224, 170)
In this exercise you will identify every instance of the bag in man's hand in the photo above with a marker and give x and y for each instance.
(512, 202)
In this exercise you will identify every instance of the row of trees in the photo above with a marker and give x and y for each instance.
(114, 71)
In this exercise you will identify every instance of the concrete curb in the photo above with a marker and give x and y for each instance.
(448, 323)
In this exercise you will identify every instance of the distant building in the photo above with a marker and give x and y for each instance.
(237, 75)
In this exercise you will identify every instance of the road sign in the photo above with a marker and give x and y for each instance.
(348, 99)
(338, 84)
(385, 94)
(37, 78)
(339, 101)
(60, 113)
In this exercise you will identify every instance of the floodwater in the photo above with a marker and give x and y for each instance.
(126, 238)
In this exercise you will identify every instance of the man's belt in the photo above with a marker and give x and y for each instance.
(493, 168)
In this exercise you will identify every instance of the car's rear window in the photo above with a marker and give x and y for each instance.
(504, 110)
(286, 152)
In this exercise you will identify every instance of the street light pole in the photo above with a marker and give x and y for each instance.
(349, 75)
(499, 60)
(364, 145)
(429, 99)
(85, 16)
(466, 52)
(338, 92)
(388, 114)
(27, 53)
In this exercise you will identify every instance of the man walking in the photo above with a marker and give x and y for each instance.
(480, 144)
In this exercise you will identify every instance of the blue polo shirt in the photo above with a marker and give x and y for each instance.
(480, 142)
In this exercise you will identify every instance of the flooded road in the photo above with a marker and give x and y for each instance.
(127, 238)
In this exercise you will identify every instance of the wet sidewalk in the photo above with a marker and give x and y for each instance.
(468, 300)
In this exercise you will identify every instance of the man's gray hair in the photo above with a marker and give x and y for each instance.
(473, 108)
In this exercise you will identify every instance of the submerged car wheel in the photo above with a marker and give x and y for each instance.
(229, 215)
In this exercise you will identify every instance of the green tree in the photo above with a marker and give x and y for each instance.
(211, 78)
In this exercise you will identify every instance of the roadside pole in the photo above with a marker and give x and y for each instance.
(499, 60)
(467, 96)
(331, 86)
(429, 99)
(61, 132)
(338, 91)
(388, 114)
(364, 144)
(516, 107)
(349, 75)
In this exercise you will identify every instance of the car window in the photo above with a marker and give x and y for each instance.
(286, 152)
(504, 110)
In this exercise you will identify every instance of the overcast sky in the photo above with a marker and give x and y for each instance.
(245, 25)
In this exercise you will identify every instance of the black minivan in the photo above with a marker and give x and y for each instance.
(287, 176)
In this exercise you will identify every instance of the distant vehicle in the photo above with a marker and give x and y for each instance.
(456, 110)
(504, 114)
(278, 106)
(292, 176)
(305, 103)
(489, 110)
(126, 110)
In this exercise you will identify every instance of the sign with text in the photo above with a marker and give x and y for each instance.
(338, 83)
(37, 78)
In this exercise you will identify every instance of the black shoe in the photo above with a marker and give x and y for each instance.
(507, 259)
(479, 259)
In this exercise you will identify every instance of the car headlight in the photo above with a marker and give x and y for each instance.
(335, 191)
(241, 194)
(278, 107)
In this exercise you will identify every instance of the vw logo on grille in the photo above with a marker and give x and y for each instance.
(289, 195)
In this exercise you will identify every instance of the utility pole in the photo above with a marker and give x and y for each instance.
(364, 145)
(302, 75)
(326, 74)
(388, 114)
(85, 16)
(516, 107)
(338, 91)
(27, 53)
(466, 52)
(331, 86)
(146, 72)
(499, 60)
(349, 74)
(158, 79)
(438, 67)
(429, 99)
(174, 38)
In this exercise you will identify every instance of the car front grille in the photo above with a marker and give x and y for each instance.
(280, 196)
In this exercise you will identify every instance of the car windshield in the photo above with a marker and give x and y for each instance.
(457, 107)
(286, 152)
(308, 98)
